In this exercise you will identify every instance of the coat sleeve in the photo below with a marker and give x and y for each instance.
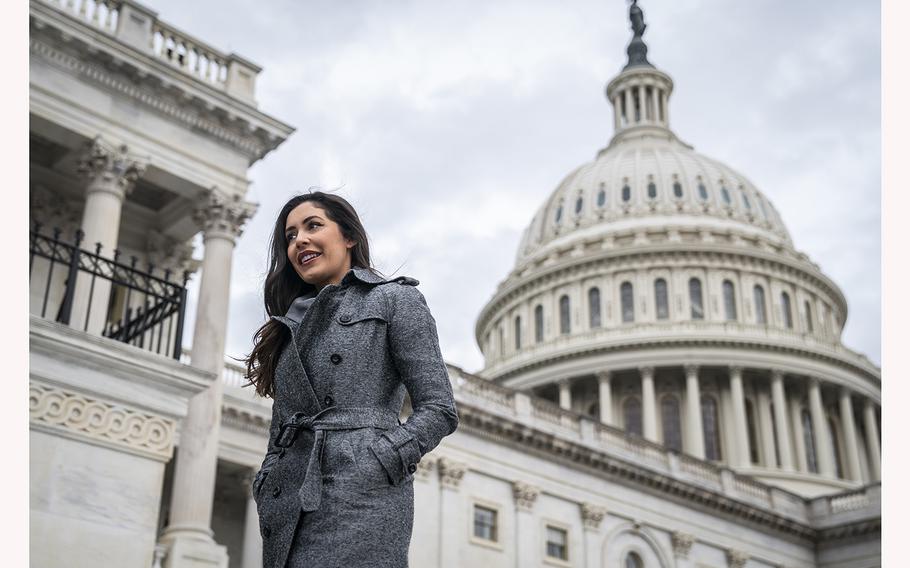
(414, 346)
(271, 454)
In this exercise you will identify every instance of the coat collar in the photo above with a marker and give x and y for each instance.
(300, 304)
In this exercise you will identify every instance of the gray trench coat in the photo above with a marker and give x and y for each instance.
(336, 486)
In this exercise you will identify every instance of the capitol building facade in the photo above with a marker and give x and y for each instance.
(664, 381)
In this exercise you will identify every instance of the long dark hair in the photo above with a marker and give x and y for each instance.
(283, 284)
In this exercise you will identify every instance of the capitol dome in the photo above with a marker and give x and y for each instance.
(657, 291)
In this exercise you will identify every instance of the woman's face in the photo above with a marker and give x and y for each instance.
(308, 230)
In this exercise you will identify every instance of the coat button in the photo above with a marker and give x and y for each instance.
(345, 318)
(412, 467)
(336, 358)
(328, 400)
(266, 531)
(277, 491)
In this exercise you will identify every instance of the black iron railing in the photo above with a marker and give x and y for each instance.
(156, 324)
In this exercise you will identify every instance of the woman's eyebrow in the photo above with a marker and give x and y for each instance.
(286, 229)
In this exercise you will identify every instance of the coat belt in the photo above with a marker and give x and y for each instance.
(331, 418)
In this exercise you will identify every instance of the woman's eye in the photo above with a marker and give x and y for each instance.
(313, 223)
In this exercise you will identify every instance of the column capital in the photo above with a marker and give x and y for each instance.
(736, 370)
(845, 391)
(109, 167)
(682, 543)
(814, 382)
(691, 370)
(565, 382)
(450, 472)
(525, 495)
(592, 515)
(222, 215)
(736, 558)
(646, 370)
(777, 374)
(604, 375)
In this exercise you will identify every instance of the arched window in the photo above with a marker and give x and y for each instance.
(601, 196)
(695, 299)
(677, 189)
(564, 314)
(594, 307)
(627, 301)
(711, 425)
(785, 308)
(631, 414)
(752, 432)
(660, 299)
(702, 192)
(832, 431)
(761, 205)
(758, 295)
(669, 415)
(578, 204)
(558, 214)
(729, 301)
(517, 333)
(725, 194)
(633, 560)
(626, 193)
(809, 325)
(538, 323)
(652, 190)
(809, 441)
(746, 201)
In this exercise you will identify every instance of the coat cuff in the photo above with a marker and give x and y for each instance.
(398, 452)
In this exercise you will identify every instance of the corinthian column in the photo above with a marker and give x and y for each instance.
(252, 540)
(739, 416)
(189, 533)
(451, 473)
(846, 418)
(525, 496)
(875, 459)
(780, 420)
(605, 397)
(111, 173)
(648, 403)
(695, 433)
(820, 426)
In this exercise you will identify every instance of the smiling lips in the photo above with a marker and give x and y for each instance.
(306, 258)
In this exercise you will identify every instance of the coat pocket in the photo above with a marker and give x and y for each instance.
(370, 470)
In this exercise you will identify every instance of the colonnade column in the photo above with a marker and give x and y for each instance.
(617, 114)
(767, 427)
(565, 394)
(875, 460)
(666, 110)
(189, 532)
(648, 403)
(799, 436)
(630, 112)
(111, 173)
(846, 418)
(780, 420)
(525, 495)
(252, 540)
(695, 434)
(739, 416)
(605, 397)
(653, 105)
(641, 103)
(820, 429)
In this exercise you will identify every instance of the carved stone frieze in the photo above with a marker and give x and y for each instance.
(451, 472)
(109, 167)
(216, 213)
(682, 543)
(101, 420)
(525, 495)
(592, 515)
(52, 211)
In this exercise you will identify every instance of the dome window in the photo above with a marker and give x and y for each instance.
(695, 299)
(725, 194)
(631, 416)
(578, 204)
(627, 302)
(652, 190)
(633, 560)
(538, 324)
(517, 333)
(564, 315)
(785, 308)
(677, 189)
(594, 307)
(710, 427)
(809, 325)
(761, 205)
(558, 214)
(746, 201)
(601, 198)
(669, 414)
(660, 299)
(761, 316)
(626, 193)
(702, 192)
(729, 301)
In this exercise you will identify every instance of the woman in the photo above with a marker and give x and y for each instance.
(341, 346)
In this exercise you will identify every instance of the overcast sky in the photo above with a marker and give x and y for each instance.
(447, 124)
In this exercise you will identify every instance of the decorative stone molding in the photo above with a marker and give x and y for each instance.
(99, 420)
(425, 467)
(736, 558)
(592, 515)
(682, 543)
(223, 215)
(525, 495)
(109, 167)
(451, 472)
(54, 211)
(168, 253)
